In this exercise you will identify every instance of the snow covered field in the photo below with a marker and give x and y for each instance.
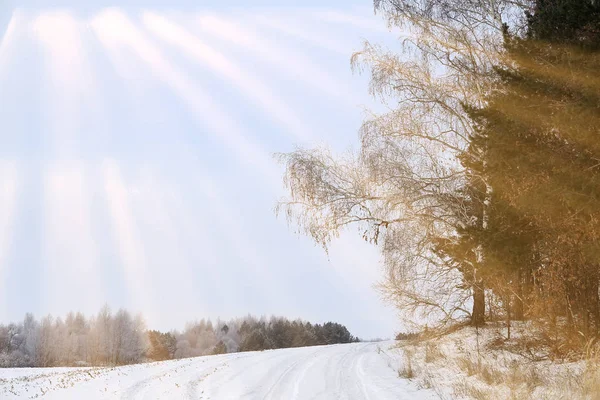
(348, 371)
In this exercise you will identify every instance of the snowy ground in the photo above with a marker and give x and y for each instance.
(485, 365)
(352, 371)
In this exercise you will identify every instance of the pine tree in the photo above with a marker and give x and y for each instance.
(539, 137)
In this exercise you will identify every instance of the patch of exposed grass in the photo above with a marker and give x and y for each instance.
(464, 388)
(407, 371)
(433, 352)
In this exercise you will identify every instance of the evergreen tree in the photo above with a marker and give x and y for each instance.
(538, 135)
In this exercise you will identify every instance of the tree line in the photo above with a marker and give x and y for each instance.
(481, 184)
(119, 338)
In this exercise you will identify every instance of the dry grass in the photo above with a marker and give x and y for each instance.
(426, 381)
(491, 374)
(407, 370)
(519, 379)
(468, 365)
(454, 366)
(590, 382)
(433, 352)
(464, 388)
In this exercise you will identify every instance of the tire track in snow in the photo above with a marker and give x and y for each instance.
(360, 374)
(344, 372)
(140, 387)
(285, 374)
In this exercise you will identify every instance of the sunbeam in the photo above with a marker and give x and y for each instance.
(8, 200)
(170, 218)
(61, 34)
(195, 48)
(293, 29)
(69, 248)
(115, 30)
(289, 62)
(198, 234)
(364, 24)
(130, 247)
(232, 226)
(161, 235)
(7, 39)
(7, 35)
(71, 74)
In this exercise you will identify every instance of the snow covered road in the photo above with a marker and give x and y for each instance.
(352, 371)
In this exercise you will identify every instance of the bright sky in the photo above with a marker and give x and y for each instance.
(136, 159)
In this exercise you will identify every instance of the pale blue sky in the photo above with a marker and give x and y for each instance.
(136, 160)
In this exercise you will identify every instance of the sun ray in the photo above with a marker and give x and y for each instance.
(131, 249)
(362, 23)
(194, 232)
(162, 237)
(227, 222)
(73, 89)
(173, 203)
(230, 224)
(7, 39)
(204, 54)
(8, 200)
(69, 248)
(115, 31)
(291, 28)
(234, 229)
(292, 63)
(9, 32)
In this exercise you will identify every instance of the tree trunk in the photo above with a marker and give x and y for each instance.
(478, 314)
(508, 316)
(592, 306)
(519, 309)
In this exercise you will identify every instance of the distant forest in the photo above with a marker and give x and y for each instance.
(118, 339)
